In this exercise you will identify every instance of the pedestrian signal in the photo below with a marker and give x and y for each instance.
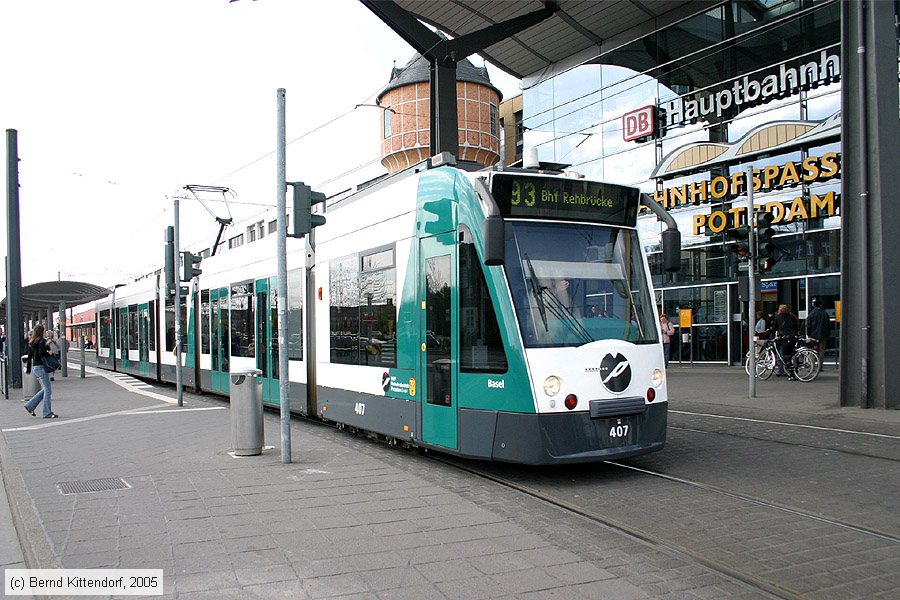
(190, 270)
(304, 200)
(169, 265)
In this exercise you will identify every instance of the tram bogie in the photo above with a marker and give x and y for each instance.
(492, 315)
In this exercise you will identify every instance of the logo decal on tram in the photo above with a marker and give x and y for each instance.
(615, 372)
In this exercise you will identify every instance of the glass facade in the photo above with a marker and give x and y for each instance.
(734, 79)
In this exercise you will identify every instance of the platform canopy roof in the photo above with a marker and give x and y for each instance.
(39, 297)
(578, 30)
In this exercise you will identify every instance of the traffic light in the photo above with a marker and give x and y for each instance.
(741, 244)
(304, 200)
(169, 265)
(765, 247)
(190, 271)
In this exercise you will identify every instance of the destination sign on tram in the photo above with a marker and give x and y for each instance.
(565, 199)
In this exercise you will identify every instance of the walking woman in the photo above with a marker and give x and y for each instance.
(37, 350)
(667, 330)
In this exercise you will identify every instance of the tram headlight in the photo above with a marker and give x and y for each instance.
(552, 385)
(657, 378)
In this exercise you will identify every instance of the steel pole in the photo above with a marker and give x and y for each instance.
(82, 354)
(751, 284)
(281, 192)
(179, 387)
(63, 341)
(14, 261)
(312, 400)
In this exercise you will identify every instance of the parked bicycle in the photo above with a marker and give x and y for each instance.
(804, 365)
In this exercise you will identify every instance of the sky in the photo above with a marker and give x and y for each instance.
(119, 104)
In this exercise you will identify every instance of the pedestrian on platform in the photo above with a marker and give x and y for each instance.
(787, 326)
(818, 327)
(761, 329)
(667, 330)
(37, 351)
(53, 347)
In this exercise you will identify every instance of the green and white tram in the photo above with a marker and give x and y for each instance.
(500, 315)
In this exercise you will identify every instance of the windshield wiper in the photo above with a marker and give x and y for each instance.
(565, 316)
(537, 291)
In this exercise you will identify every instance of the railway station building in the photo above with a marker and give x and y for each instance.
(683, 113)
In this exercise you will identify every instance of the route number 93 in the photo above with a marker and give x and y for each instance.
(523, 191)
(618, 431)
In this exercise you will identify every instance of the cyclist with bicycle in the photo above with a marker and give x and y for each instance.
(786, 327)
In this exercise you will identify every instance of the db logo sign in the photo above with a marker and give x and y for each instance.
(639, 123)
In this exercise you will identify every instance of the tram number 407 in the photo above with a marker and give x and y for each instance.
(360, 408)
(618, 431)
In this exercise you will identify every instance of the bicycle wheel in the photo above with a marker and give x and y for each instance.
(765, 363)
(806, 365)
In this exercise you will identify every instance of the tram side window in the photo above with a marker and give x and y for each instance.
(243, 332)
(363, 292)
(133, 327)
(183, 308)
(481, 347)
(295, 314)
(152, 327)
(344, 294)
(170, 324)
(204, 322)
(122, 324)
(378, 308)
(105, 329)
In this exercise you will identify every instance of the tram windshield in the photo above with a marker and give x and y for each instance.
(576, 284)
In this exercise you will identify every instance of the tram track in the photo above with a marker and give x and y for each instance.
(728, 571)
(683, 553)
(762, 438)
(761, 502)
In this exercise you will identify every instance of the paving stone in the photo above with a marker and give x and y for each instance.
(199, 582)
(393, 578)
(436, 572)
(472, 588)
(334, 585)
(286, 590)
(420, 592)
(264, 574)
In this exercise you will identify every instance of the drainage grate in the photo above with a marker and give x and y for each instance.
(92, 485)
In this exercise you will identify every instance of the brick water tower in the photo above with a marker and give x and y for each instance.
(405, 128)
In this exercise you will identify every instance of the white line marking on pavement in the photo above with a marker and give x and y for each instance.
(119, 380)
(131, 411)
(57, 422)
(178, 410)
(695, 414)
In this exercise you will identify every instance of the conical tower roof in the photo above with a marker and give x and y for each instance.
(418, 70)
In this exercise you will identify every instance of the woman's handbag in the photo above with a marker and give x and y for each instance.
(51, 363)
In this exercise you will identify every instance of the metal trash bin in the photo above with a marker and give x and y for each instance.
(30, 383)
(246, 412)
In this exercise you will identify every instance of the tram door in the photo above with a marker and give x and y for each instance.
(267, 338)
(144, 339)
(122, 342)
(219, 336)
(439, 366)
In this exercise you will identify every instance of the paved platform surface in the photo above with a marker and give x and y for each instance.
(348, 518)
